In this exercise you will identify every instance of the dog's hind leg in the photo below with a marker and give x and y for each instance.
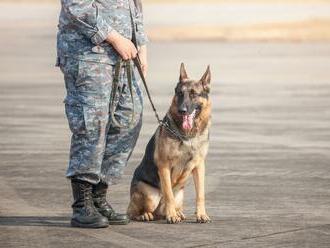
(144, 201)
(135, 206)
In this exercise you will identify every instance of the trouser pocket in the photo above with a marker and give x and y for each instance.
(94, 77)
(90, 119)
(76, 118)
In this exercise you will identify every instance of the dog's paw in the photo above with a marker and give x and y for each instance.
(180, 214)
(147, 216)
(203, 218)
(172, 217)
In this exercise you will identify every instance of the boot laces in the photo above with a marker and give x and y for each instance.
(89, 206)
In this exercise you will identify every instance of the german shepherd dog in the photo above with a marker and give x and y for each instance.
(177, 149)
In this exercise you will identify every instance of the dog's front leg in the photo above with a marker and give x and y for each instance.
(166, 187)
(199, 176)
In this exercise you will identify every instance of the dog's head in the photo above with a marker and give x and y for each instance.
(191, 98)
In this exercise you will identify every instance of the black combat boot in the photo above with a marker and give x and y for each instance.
(84, 211)
(101, 204)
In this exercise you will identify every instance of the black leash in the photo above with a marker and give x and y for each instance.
(168, 125)
(137, 63)
(114, 90)
(127, 63)
(168, 121)
(116, 80)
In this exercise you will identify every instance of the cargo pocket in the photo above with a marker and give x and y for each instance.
(87, 118)
(94, 77)
(76, 118)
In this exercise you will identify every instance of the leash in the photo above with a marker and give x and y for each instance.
(176, 132)
(118, 67)
(168, 120)
(137, 63)
(114, 89)
(127, 64)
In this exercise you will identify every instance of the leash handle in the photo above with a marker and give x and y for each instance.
(114, 90)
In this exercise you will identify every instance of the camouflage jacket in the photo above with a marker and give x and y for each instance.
(85, 24)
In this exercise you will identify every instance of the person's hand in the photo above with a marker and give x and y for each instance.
(143, 59)
(123, 46)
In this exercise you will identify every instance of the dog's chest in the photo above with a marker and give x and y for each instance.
(189, 152)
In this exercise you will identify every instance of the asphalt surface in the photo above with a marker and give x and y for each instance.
(268, 169)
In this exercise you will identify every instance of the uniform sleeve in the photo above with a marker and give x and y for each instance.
(85, 16)
(141, 36)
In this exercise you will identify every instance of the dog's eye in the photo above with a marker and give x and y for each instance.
(203, 94)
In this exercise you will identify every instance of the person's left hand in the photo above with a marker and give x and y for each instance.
(143, 59)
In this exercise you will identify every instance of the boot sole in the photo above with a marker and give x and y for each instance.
(93, 225)
(119, 222)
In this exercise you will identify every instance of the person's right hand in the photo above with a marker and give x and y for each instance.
(123, 46)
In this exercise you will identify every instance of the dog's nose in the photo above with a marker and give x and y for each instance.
(183, 109)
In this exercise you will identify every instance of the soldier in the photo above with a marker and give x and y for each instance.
(103, 102)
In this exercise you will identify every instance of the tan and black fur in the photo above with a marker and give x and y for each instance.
(158, 183)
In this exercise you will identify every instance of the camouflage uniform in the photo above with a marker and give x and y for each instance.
(99, 150)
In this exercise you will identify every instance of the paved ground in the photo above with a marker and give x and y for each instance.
(268, 170)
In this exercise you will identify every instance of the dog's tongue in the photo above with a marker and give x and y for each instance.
(188, 121)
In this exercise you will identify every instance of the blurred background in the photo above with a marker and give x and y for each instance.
(268, 169)
(219, 20)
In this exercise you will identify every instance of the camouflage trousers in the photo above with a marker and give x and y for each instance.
(99, 149)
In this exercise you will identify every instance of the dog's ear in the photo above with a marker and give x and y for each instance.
(183, 73)
(206, 79)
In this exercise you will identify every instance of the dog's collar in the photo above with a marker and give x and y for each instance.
(169, 124)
